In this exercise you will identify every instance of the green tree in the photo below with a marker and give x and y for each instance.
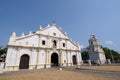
(116, 55)
(111, 54)
(3, 50)
(107, 53)
(85, 55)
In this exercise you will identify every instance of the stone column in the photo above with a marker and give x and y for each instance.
(66, 52)
(60, 44)
(81, 62)
(108, 61)
(37, 61)
(31, 52)
(2, 66)
(70, 59)
(78, 58)
(48, 41)
(47, 59)
(98, 62)
(39, 43)
(16, 66)
(61, 58)
(89, 61)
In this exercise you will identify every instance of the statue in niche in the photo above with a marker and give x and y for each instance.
(54, 43)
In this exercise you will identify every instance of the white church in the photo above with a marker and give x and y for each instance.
(45, 48)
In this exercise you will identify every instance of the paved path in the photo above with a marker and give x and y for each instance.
(114, 74)
(81, 70)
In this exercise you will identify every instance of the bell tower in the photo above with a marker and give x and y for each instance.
(96, 53)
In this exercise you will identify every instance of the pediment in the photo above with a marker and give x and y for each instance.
(53, 30)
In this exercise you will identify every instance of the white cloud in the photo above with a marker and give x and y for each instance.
(81, 46)
(109, 42)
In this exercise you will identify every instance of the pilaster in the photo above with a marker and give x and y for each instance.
(66, 52)
(61, 58)
(47, 62)
(48, 41)
(37, 59)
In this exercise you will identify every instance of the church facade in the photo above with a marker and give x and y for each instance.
(45, 48)
(96, 53)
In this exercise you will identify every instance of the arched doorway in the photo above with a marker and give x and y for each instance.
(24, 62)
(74, 60)
(54, 59)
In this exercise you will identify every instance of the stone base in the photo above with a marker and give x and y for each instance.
(39, 66)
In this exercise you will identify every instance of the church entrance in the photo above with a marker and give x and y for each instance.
(74, 60)
(24, 62)
(54, 59)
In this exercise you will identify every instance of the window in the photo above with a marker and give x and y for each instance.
(54, 34)
(91, 43)
(43, 42)
(63, 44)
(92, 49)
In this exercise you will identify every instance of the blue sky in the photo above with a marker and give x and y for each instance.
(79, 18)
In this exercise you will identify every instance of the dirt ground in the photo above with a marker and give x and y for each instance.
(106, 68)
(57, 75)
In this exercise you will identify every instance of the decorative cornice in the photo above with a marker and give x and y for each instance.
(19, 38)
(40, 48)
